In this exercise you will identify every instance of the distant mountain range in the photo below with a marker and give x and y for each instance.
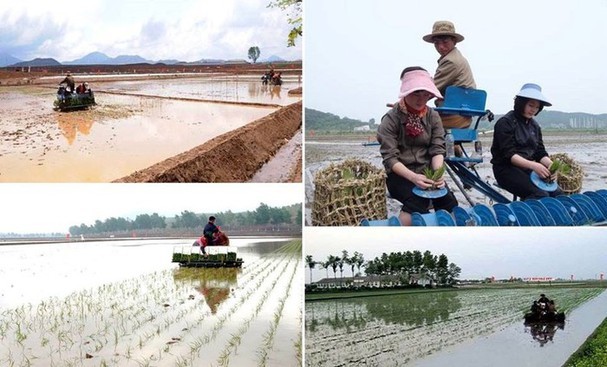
(99, 58)
(6, 59)
(324, 121)
(38, 62)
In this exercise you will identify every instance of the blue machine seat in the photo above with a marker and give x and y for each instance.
(463, 101)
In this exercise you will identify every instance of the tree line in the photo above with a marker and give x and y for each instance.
(263, 215)
(319, 121)
(402, 265)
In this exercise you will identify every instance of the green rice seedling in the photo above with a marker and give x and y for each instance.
(224, 358)
(558, 167)
(234, 342)
(262, 357)
(196, 345)
(434, 175)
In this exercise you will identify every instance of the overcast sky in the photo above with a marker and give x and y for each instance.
(45, 208)
(355, 51)
(480, 252)
(187, 30)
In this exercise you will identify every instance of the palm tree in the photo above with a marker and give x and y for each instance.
(333, 261)
(325, 265)
(352, 262)
(360, 260)
(344, 260)
(311, 264)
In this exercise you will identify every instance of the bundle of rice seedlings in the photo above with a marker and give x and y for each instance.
(569, 173)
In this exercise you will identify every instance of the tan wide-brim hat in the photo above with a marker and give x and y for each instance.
(443, 28)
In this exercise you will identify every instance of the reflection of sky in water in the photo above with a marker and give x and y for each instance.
(31, 273)
(229, 88)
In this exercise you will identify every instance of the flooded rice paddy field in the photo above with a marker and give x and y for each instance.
(128, 130)
(123, 303)
(446, 328)
(586, 149)
(239, 88)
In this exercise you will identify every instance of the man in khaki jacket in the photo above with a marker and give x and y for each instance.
(453, 68)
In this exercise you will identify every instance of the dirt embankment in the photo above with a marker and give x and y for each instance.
(231, 157)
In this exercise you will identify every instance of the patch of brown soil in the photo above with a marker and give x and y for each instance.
(231, 157)
(296, 173)
(296, 92)
(10, 76)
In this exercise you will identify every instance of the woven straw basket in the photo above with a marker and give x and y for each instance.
(346, 193)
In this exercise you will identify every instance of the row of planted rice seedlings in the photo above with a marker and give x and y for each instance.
(270, 335)
(187, 320)
(149, 321)
(52, 319)
(244, 313)
(378, 342)
(84, 323)
(250, 322)
(87, 323)
(260, 338)
(203, 340)
(289, 333)
(151, 341)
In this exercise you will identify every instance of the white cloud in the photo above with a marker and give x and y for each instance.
(187, 30)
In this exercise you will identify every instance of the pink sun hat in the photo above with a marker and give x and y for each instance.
(417, 80)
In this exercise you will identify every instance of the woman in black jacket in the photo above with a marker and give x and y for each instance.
(518, 148)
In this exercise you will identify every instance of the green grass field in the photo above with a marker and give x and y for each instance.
(593, 352)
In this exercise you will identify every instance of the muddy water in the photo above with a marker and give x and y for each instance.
(119, 136)
(516, 346)
(586, 149)
(279, 167)
(219, 88)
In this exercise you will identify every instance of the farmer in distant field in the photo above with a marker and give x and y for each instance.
(453, 68)
(412, 139)
(518, 148)
(209, 230)
(81, 88)
(69, 80)
(543, 299)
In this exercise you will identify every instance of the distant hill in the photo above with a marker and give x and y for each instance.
(130, 59)
(207, 62)
(38, 62)
(324, 121)
(6, 60)
(273, 58)
(168, 62)
(99, 58)
(562, 120)
(94, 58)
